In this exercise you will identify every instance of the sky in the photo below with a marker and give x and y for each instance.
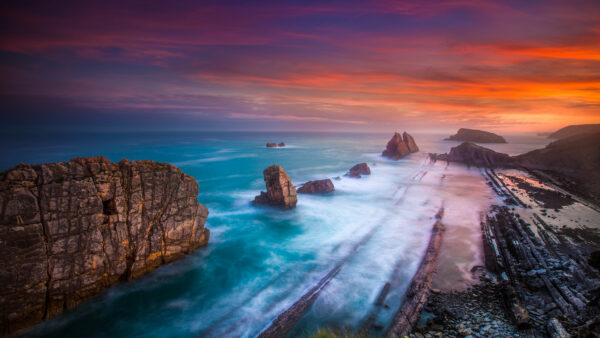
(307, 65)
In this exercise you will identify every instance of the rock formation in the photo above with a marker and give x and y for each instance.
(478, 136)
(575, 130)
(316, 187)
(271, 145)
(280, 190)
(473, 154)
(359, 169)
(281, 144)
(71, 229)
(399, 146)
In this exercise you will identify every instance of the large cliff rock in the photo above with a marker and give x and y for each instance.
(478, 136)
(317, 187)
(399, 146)
(280, 190)
(573, 130)
(473, 154)
(70, 229)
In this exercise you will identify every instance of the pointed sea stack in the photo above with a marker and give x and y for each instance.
(280, 190)
(400, 146)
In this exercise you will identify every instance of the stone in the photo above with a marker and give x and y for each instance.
(400, 146)
(271, 145)
(465, 331)
(316, 187)
(281, 144)
(71, 229)
(359, 169)
(280, 190)
(477, 136)
(521, 316)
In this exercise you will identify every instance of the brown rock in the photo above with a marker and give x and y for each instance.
(271, 145)
(280, 190)
(478, 136)
(70, 229)
(281, 144)
(473, 154)
(399, 146)
(316, 187)
(359, 169)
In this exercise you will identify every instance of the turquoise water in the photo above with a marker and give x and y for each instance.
(260, 260)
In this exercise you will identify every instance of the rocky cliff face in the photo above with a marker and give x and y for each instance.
(399, 146)
(473, 154)
(70, 229)
(280, 190)
(478, 136)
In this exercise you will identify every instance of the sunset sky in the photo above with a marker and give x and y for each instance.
(318, 65)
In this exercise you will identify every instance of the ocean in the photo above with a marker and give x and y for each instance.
(260, 260)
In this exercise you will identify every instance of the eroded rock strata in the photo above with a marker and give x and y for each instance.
(280, 190)
(399, 146)
(70, 229)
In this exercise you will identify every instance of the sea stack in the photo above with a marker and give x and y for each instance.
(399, 146)
(280, 190)
(71, 229)
(317, 187)
(359, 169)
(477, 136)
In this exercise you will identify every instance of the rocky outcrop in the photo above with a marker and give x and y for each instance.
(70, 229)
(275, 145)
(478, 136)
(575, 130)
(280, 190)
(399, 146)
(476, 155)
(317, 187)
(358, 170)
(281, 144)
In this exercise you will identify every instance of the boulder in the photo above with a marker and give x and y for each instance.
(317, 187)
(399, 146)
(477, 136)
(359, 169)
(281, 144)
(271, 145)
(71, 229)
(280, 190)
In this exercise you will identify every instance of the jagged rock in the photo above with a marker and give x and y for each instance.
(359, 169)
(473, 154)
(316, 187)
(399, 146)
(71, 229)
(281, 144)
(573, 130)
(520, 315)
(478, 136)
(271, 145)
(280, 190)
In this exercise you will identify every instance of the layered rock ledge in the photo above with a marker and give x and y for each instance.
(317, 187)
(70, 229)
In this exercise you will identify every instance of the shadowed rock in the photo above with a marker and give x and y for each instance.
(281, 144)
(280, 190)
(271, 145)
(359, 169)
(71, 229)
(473, 154)
(316, 187)
(399, 146)
(478, 136)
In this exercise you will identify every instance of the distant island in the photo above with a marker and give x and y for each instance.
(474, 135)
(575, 130)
